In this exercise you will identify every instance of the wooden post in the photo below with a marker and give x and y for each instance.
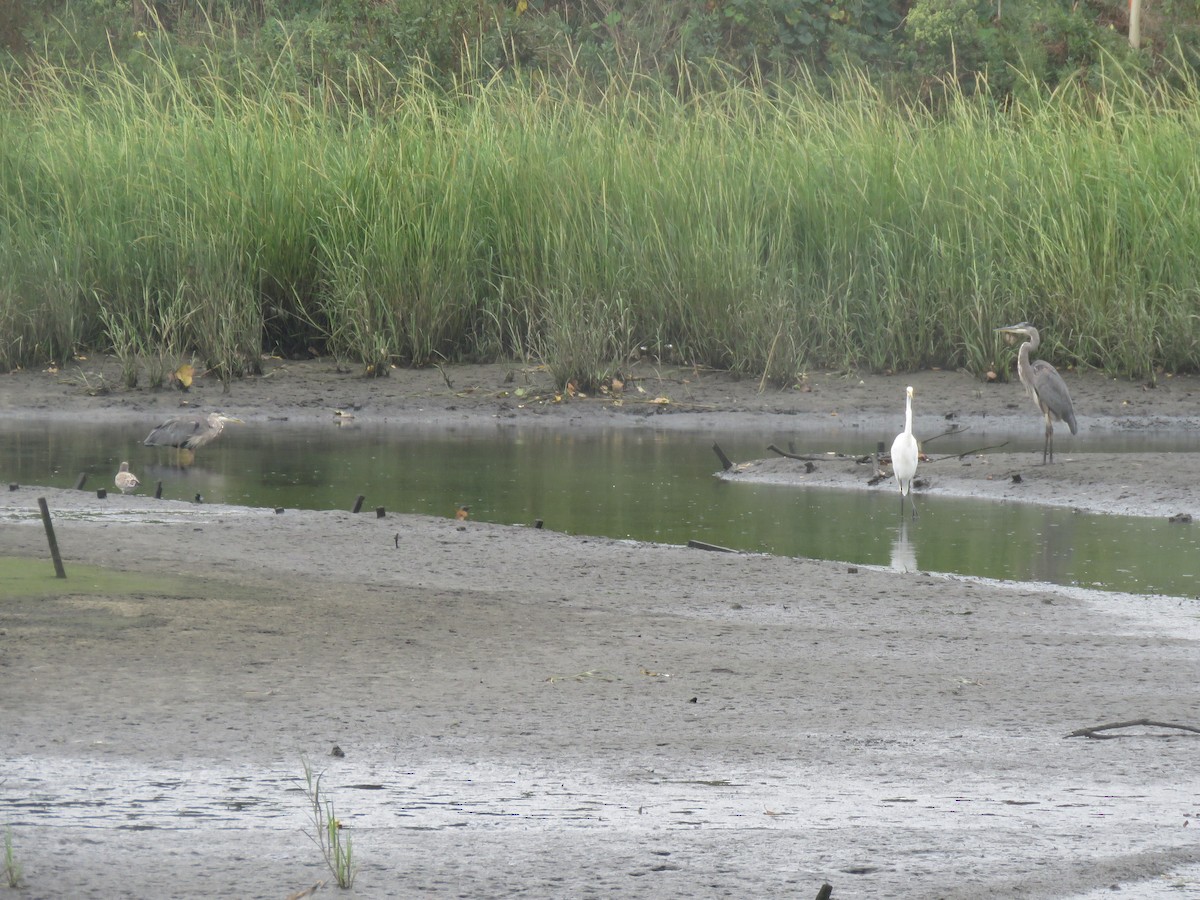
(59, 571)
(358, 503)
(80, 480)
(1135, 24)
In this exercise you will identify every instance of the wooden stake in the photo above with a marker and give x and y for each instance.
(158, 491)
(358, 503)
(59, 571)
(80, 480)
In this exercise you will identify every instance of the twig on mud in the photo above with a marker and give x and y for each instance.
(307, 892)
(1132, 723)
(821, 458)
(953, 429)
(968, 452)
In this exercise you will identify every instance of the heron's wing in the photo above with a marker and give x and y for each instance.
(173, 433)
(1052, 392)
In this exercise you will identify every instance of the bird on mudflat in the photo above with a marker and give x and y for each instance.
(904, 456)
(189, 432)
(1044, 384)
(125, 479)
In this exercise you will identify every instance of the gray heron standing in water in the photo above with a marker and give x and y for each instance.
(1044, 385)
(189, 432)
(904, 456)
(125, 479)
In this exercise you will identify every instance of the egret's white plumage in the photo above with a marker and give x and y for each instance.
(904, 455)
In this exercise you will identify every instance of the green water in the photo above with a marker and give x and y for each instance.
(641, 484)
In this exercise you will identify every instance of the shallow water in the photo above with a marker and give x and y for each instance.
(640, 484)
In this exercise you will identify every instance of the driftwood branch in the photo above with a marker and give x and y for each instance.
(1093, 732)
(969, 452)
(788, 455)
(953, 429)
(726, 462)
(715, 548)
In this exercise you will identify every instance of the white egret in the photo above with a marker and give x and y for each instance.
(904, 456)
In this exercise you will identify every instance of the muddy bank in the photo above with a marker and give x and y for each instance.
(1132, 484)
(527, 712)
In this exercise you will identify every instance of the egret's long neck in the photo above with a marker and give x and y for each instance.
(908, 414)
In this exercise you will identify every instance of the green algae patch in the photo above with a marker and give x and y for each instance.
(23, 577)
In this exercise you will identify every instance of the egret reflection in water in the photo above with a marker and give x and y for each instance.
(904, 552)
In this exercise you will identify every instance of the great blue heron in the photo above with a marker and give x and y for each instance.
(904, 456)
(188, 432)
(1044, 385)
(125, 479)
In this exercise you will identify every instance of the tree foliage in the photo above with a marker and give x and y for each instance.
(911, 46)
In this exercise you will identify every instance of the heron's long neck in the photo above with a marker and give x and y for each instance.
(908, 415)
(1024, 370)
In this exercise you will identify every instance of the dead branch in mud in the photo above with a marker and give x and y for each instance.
(953, 429)
(968, 452)
(822, 458)
(726, 462)
(1092, 732)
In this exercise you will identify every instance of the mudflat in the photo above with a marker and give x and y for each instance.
(520, 712)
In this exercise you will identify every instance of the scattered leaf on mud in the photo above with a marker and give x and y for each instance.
(183, 376)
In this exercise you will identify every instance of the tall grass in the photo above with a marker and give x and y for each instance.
(760, 230)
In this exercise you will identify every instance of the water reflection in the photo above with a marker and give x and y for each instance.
(641, 484)
(904, 554)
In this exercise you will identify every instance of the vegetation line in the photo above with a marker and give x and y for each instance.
(761, 229)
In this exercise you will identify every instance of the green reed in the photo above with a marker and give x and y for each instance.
(763, 230)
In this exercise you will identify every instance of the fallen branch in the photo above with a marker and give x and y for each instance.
(715, 548)
(953, 429)
(1132, 723)
(726, 462)
(969, 452)
(822, 458)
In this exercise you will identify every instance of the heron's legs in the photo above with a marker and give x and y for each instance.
(1048, 446)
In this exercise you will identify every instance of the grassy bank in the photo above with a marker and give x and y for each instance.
(758, 231)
